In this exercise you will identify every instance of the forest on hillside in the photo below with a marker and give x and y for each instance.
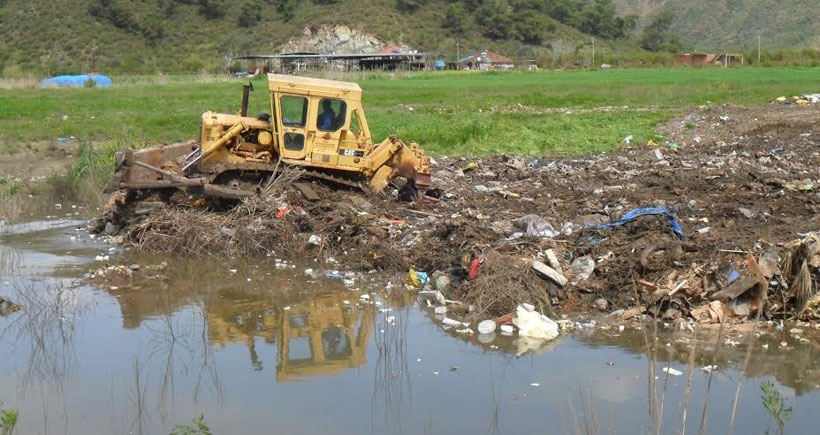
(193, 35)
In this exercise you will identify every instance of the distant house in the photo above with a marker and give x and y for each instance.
(395, 49)
(708, 59)
(486, 61)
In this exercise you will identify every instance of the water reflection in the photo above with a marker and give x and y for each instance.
(165, 344)
(315, 333)
(45, 328)
(42, 335)
(10, 261)
(784, 356)
(322, 336)
(307, 329)
(37, 226)
(319, 329)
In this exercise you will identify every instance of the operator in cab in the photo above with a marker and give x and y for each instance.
(327, 116)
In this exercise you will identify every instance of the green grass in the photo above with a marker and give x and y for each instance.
(453, 113)
(8, 420)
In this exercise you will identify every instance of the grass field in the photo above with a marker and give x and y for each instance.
(450, 113)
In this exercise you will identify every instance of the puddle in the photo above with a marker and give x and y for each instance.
(257, 348)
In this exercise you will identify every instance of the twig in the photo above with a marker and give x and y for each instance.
(423, 213)
(733, 251)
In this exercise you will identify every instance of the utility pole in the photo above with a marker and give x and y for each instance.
(593, 52)
(458, 53)
(758, 48)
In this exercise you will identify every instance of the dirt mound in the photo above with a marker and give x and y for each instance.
(739, 182)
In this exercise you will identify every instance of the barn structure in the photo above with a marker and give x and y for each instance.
(385, 60)
(708, 59)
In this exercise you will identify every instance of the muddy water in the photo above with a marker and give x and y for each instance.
(265, 348)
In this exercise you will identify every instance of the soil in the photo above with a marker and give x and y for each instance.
(741, 182)
(35, 161)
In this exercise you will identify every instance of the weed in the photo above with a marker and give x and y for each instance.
(197, 427)
(91, 171)
(8, 420)
(775, 405)
(10, 202)
(10, 185)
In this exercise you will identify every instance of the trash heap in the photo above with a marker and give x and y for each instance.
(802, 99)
(715, 224)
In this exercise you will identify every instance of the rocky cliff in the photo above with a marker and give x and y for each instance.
(333, 39)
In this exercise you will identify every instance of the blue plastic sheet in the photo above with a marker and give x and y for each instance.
(78, 81)
(646, 211)
(423, 277)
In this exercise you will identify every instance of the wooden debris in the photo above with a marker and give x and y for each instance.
(552, 259)
(632, 312)
(736, 288)
(713, 312)
(307, 192)
(646, 283)
(549, 272)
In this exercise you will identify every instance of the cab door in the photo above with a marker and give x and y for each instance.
(331, 119)
(293, 111)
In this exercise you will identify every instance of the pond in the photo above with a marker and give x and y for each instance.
(264, 347)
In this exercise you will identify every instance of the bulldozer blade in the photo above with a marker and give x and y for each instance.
(161, 184)
(227, 192)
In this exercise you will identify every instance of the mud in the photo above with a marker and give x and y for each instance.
(740, 181)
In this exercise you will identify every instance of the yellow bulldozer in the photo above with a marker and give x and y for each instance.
(315, 124)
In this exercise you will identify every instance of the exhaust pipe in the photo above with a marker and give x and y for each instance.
(246, 91)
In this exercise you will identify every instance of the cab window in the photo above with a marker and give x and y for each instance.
(294, 110)
(331, 114)
(294, 141)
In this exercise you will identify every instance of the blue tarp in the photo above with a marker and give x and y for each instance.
(100, 81)
(646, 211)
(440, 64)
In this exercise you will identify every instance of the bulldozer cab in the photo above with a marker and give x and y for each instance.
(314, 119)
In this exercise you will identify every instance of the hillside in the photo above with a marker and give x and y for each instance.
(192, 35)
(733, 25)
(139, 36)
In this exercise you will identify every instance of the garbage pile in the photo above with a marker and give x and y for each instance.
(714, 224)
(802, 99)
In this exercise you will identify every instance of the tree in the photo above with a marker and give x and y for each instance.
(530, 27)
(409, 5)
(287, 8)
(495, 18)
(455, 18)
(657, 37)
(561, 10)
(250, 14)
(471, 5)
(599, 19)
(212, 9)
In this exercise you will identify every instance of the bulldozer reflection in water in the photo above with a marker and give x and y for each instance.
(320, 336)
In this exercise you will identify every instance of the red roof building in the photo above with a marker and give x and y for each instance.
(487, 61)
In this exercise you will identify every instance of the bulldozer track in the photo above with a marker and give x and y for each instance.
(334, 178)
